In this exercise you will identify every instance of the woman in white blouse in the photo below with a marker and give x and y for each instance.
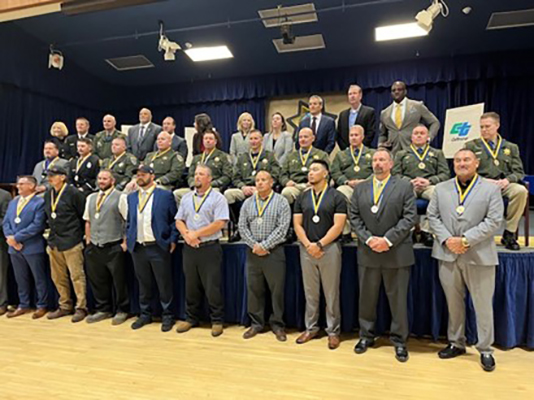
(239, 143)
(278, 140)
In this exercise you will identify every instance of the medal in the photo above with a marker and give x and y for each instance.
(494, 153)
(421, 157)
(304, 160)
(374, 209)
(55, 201)
(53, 215)
(496, 162)
(198, 206)
(356, 169)
(196, 217)
(259, 220)
(97, 215)
(317, 203)
(253, 173)
(304, 169)
(356, 159)
(378, 193)
(460, 210)
(17, 220)
(76, 178)
(316, 219)
(462, 197)
(254, 160)
(151, 165)
(260, 208)
(422, 165)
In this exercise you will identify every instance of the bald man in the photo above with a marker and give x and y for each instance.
(142, 137)
(178, 143)
(103, 139)
(168, 165)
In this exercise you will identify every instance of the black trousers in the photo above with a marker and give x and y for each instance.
(106, 271)
(151, 261)
(202, 270)
(396, 281)
(270, 269)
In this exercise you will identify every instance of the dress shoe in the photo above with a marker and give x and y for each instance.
(280, 335)
(18, 312)
(3, 310)
(250, 333)
(39, 313)
(119, 318)
(427, 239)
(488, 362)
(98, 316)
(140, 322)
(450, 351)
(216, 329)
(167, 324)
(58, 313)
(79, 315)
(401, 353)
(306, 337)
(508, 241)
(362, 346)
(333, 342)
(183, 326)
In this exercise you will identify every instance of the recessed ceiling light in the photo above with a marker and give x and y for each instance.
(401, 31)
(198, 54)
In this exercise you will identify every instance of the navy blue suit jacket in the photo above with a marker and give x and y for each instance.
(163, 213)
(325, 137)
(32, 224)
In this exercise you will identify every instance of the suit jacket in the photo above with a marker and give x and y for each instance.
(163, 212)
(71, 145)
(87, 174)
(283, 146)
(32, 224)
(5, 198)
(141, 148)
(394, 220)
(399, 139)
(366, 118)
(40, 173)
(178, 144)
(483, 215)
(325, 137)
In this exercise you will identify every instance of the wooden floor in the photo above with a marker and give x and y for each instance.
(60, 360)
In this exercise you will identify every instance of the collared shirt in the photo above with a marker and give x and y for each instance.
(353, 115)
(403, 109)
(317, 120)
(83, 136)
(275, 220)
(214, 208)
(144, 221)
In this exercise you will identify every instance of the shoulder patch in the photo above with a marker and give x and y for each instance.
(507, 151)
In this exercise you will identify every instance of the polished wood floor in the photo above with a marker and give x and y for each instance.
(60, 360)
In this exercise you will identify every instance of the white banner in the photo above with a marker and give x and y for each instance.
(462, 124)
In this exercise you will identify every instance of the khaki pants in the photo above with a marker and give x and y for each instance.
(517, 195)
(234, 195)
(427, 195)
(61, 264)
(292, 192)
(179, 193)
(346, 191)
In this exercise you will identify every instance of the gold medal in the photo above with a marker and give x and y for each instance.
(316, 219)
(53, 215)
(422, 165)
(259, 220)
(17, 220)
(496, 162)
(304, 169)
(374, 209)
(460, 210)
(357, 168)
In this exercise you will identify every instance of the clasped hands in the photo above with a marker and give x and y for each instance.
(13, 243)
(378, 244)
(455, 245)
(192, 238)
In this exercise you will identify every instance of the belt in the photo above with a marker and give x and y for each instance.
(106, 245)
(204, 244)
(146, 244)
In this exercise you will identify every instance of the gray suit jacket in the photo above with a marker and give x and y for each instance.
(283, 146)
(482, 217)
(146, 145)
(395, 219)
(39, 172)
(399, 139)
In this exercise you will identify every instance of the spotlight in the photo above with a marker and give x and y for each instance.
(168, 47)
(287, 34)
(55, 59)
(426, 17)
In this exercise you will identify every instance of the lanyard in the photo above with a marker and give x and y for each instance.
(148, 195)
(317, 202)
(261, 209)
(198, 206)
(116, 160)
(377, 194)
(56, 201)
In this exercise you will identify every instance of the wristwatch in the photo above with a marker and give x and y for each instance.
(320, 245)
(465, 242)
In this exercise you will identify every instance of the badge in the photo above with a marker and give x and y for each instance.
(496, 162)
(304, 169)
(151, 165)
(460, 210)
(422, 165)
(97, 215)
(507, 152)
(357, 168)
(88, 165)
(374, 209)
(264, 161)
(316, 157)
(217, 159)
(121, 165)
(53, 215)
(316, 219)
(253, 173)
(245, 164)
(133, 160)
(165, 158)
(17, 220)
(76, 178)
(368, 155)
(259, 220)
(196, 217)
(431, 154)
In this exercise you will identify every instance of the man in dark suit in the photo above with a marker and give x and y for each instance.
(83, 169)
(71, 142)
(5, 198)
(24, 224)
(382, 214)
(357, 114)
(151, 238)
(323, 127)
(178, 144)
(142, 137)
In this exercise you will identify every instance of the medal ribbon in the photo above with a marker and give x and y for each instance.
(142, 204)
(205, 159)
(23, 203)
(101, 199)
(360, 151)
(422, 156)
(304, 160)
(254, 160)
(261, 209)
(317, 202)
(116, 160)
(462, 197)
(199, 205)
(158, 154)
(493, 153)
(55, 201)
(80, 162)
(377, 194)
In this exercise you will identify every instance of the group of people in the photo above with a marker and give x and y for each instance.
(114, 196)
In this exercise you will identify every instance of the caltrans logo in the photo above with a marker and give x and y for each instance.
(461, 129)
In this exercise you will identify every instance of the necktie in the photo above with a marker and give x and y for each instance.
(141, 132)
(420, 150)
(398, 116)
(492, 145)
(356, 152)
(314, 125)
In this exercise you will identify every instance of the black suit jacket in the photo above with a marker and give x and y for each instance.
(366, 118)
(71, 145)
(325, 137)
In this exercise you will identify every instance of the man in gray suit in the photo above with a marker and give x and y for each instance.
(464, 215)
(40, 171)
(383, 212)
(142, 137)
(399, 119)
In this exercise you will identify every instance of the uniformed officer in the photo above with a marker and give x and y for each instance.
(103, 140)
(168, 165)
(219, 162)
(424, 167)
(82, 132)
(121, 163)
(501, 164)
(83, 169)
(294, 174)
(352, 166)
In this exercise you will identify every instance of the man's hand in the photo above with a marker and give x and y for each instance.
(290, 184)
(379, 245)
(314, 251)
(259, 250)
(354, 182)
(18, 246)
(173, 247)
(454, 244)
(11, 241)
(248, 190)
(124, 247)
(132, 186)
(503, 183)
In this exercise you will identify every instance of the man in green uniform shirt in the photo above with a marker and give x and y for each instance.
(168, 165)
(121, 163)
(103, 139)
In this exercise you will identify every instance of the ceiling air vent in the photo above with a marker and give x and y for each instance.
(300, 14)
(511, 19)
(302, 43)
(129, 63)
